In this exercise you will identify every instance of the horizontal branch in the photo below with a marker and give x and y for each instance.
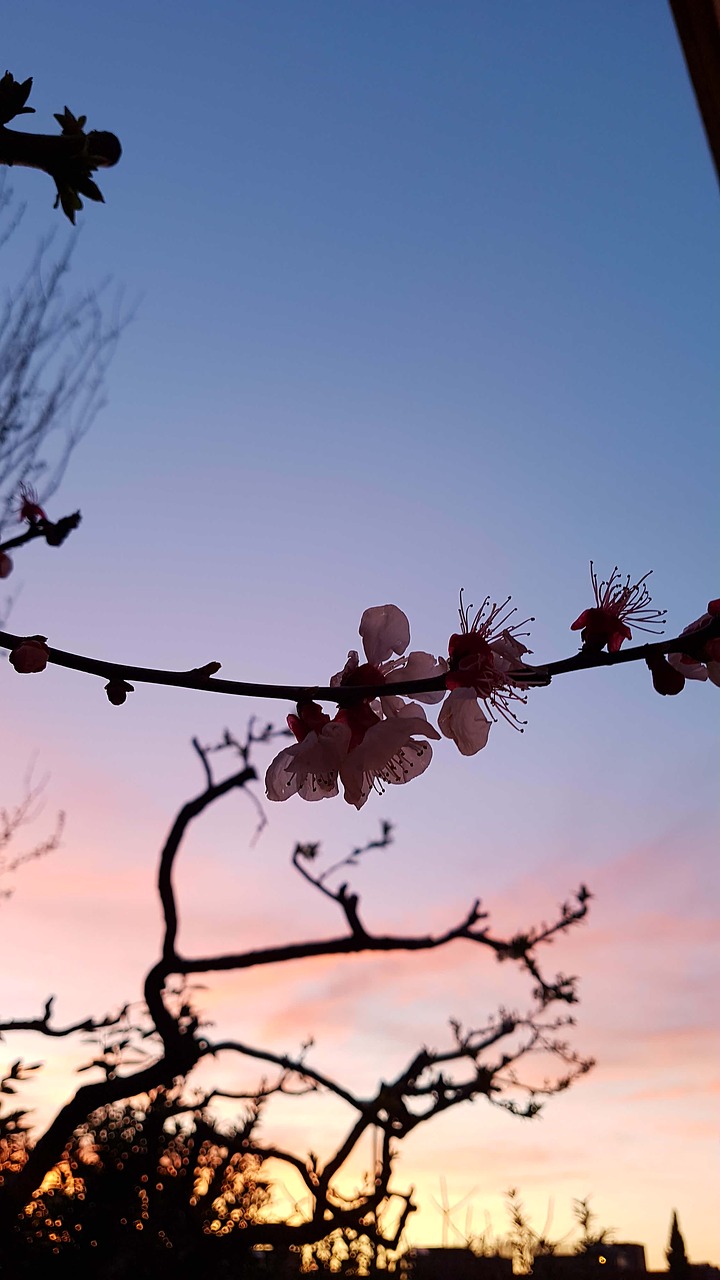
(293, 1065)
(196, 677)
(43, 1026)
(519, 948)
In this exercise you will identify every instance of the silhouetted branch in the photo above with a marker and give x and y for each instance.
(478, 1062)
(69, 158)
(196, 678)
(45, 1028)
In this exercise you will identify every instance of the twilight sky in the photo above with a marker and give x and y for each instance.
(426, 298)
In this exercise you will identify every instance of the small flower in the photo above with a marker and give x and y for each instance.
(310, 767)
(30, 508)
(6, 565)
(706, 664)
(392, 752)
(368, 744)
(485, 666)
(385, 631)
(117, 691)
(30, 655)
(616, 604)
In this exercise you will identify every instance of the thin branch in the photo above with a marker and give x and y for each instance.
(44, 1027)
(196, 678)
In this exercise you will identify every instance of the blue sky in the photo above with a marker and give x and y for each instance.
(425, 298)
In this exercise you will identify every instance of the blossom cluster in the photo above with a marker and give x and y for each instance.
(372, 742)
(380, 734)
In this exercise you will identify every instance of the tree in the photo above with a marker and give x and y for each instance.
(152, 1056)
(677, 1259)
(54, 356)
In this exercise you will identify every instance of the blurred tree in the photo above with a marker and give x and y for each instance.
(54, 355)
(677, 1259)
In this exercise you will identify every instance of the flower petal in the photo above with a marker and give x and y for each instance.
(280, 782)
(687, 666)
(388, 754)
(463, 720)
(384, 630)
(309, 768)
(419, 666)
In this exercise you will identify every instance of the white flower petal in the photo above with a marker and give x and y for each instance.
(419, 666)
(388, 754)
(463, 720)
(280, 782)
(309, 768)
(688, 668)
(384, 630)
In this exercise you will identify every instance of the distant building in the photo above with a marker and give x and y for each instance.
(457, 1264)
(601, 1260)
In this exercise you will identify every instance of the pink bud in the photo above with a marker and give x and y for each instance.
(30, 655)
(6, 565)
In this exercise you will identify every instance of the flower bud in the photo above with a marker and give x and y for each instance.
(666, 680)
(30, 655)
(117, 691)
(6, 565)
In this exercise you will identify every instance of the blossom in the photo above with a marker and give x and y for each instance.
(30, 508)
(617, 603)
(385, 631)
(6, 565)
(30, 655)
(704, 665)
(310, 767)
(390, 753)
(485, 666)
(368, 744)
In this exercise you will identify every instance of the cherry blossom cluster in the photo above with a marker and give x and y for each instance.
(380, 734)
(372, 743)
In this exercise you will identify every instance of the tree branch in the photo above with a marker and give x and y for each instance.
(196, 678)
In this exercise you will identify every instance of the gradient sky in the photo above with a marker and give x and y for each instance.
(426, 298)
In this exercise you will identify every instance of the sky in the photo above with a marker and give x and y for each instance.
(424, 297)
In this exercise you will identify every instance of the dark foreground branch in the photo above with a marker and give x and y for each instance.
(203, 678)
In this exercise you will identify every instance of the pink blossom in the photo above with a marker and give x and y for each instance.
(30, 655)
(485, 666)
(617, 604)
(385, 631)
(368, 744)
(6, 565)
(706, 665)
(310, 767)
(391, 752)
